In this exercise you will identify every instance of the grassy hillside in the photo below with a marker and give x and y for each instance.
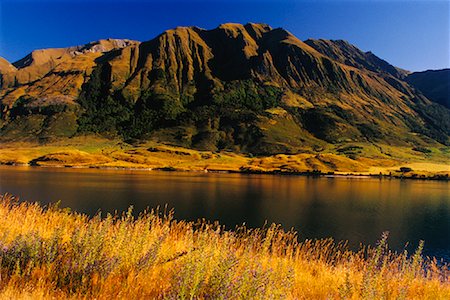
(344, 158)
(54, 253)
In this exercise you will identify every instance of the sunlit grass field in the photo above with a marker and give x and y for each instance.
(348, 158)
(54, 253)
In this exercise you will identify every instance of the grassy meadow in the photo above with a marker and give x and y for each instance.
(54, 253)
(345, 158)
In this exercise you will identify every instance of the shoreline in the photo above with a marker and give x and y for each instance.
(314, 173)
(98, 153)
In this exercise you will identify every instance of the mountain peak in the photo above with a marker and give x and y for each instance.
(43, 56)
(232, 30)
(103, 45)
(6, 66)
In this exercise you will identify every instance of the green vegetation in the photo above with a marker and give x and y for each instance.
(422, 149)
(248, 95)
(405, 169)
(45, 122)
(227, 122)
(101, 111)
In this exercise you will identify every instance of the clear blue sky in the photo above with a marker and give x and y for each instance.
(410, 34)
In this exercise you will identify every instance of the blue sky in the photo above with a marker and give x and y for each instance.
(410, 34)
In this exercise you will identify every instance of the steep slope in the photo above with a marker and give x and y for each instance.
(39, 63)
(5, 66)
(237, 87)
(348, 54)
(52, 78)
(434, 84)
(6, 71)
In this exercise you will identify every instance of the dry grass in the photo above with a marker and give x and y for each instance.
(91, 151)
(54, 253)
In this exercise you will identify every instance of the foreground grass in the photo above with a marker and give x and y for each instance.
(54, 253)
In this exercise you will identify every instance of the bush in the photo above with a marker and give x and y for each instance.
(421, 149)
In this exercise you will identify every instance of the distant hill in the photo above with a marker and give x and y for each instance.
(243, 88)
(434, 84)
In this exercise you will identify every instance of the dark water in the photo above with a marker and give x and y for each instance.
(357, 209)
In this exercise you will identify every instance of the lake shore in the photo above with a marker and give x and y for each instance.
(92, 152)
(437, 177)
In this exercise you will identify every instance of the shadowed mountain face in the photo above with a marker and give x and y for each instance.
(435, 85)
(238, 87)
(346, 53)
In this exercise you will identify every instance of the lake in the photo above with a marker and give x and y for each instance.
(353, 209)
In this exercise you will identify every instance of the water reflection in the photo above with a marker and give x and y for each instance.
(358, 210)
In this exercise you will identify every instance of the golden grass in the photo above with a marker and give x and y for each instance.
(55, 253)
(92, 151)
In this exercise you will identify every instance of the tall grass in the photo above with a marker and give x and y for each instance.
(54, 253)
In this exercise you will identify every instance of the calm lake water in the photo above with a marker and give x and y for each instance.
(353, 209)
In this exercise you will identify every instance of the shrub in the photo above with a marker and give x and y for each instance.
(53, 253)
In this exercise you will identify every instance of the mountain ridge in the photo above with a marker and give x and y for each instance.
(434, 84)
(237, 87)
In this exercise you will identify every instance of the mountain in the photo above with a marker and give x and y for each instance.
(344, 52)
(434, 84)
(245, 88)
(5, 66)
(6, 70)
